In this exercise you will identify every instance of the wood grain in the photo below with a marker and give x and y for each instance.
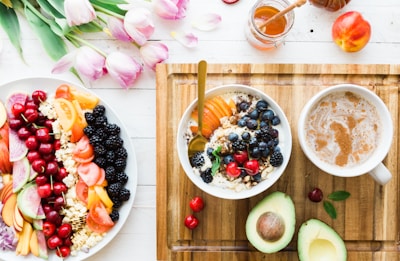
(368, 221)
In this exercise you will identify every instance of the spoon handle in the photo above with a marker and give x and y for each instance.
(201, 87)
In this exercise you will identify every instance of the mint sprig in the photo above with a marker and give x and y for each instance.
(339, 195)
(217, 160)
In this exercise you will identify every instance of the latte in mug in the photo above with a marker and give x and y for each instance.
(343, 129)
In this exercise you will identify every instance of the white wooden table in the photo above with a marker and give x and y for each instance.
(309, 42)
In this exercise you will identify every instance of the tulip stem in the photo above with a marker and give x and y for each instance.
(82, 41)
(106, 11)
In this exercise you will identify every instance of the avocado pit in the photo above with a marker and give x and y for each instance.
(270, 226)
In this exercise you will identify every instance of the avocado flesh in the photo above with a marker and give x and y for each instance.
(318, 241)
(280, 204)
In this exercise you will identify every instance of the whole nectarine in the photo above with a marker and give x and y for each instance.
(351, 31)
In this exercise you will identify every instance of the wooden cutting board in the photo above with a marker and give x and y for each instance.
(368, 221)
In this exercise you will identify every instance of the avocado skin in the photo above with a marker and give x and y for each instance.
(316, 235)
(281, 204)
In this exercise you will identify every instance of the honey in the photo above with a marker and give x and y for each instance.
(264, 13)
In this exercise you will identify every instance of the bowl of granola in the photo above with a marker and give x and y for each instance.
(249, 142)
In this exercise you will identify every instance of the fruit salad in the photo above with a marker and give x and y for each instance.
(243, 147)
(62, 172)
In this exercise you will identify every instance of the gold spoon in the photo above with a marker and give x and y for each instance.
(199, 142)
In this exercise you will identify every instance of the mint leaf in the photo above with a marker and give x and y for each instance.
(339, 195)
(330, 209)
(216, 163)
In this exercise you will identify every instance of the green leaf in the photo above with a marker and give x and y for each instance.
(91, 27)
(57, 5)
(330, 209)
(10, 24)
(108, 6)
(113, 2)
(339, 195)
(52, 43)
(47, 7)
(217, 162)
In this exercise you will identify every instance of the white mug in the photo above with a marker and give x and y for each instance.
(373, 164)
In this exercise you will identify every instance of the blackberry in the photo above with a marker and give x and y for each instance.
(265, 133)
(120, 164)
(276, 159)
(206, 175)
(239, 145)
(101, 132)
(89, 130)
(124, 194)
(111, 174)
(90, 118)
(110, 156)
(113, 129)
(117, 203)
(101, 121)
(121, 153)
(95, 139)
(122, 178)
(99, 110)
(114, 142)
(100, 161)
(114, 215)
(197, 160)
(99, 150)
(114, 190)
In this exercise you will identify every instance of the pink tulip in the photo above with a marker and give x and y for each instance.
(153, 53)
(85, 60)
(78, 12)
(123, 68)
(117, 29)
(170, 9)
(139, 24)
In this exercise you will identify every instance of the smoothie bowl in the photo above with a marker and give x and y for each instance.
(249, 142)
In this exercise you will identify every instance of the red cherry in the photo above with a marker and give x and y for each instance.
(196, 204)
(15, 123)
(43, 135)
(47, 208)
(63, 251)
(54, 241)
(59, 188)
(31, 115)
(53, 217)
(67, 242)
(252, 167)
(315, 195)
(17, 109)
(44, 191)
(57, 144)
(64, 230)
(62, 173)
(32, 155)
(51, 168)
(41, 180)
(39, 96)
(39, 165)
(31, 105)
(240, 157)
(48, 228)
(233, 170)
(46, 148)
(31, 143)
(191, 222)
(23, 133)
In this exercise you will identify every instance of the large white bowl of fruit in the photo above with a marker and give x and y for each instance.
(67, 171)
(249, 142)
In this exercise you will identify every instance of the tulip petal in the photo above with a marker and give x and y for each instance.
(117, 29)
(153, 53)
(89, 63)
(170, 9)
(79, 12)
(186, 39)
(207, 22)
(139, 24)
(65, 63)
(123, 68)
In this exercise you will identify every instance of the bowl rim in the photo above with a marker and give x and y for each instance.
(229, 193)
(375, 159)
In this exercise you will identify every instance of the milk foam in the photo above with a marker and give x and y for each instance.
(343, 129)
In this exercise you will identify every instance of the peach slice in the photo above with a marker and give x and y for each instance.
(222, 103)
(210, 104)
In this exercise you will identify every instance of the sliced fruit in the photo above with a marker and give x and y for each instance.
(63, 91)
(3, 114)
(207, 131)
(37, 223)
(103, 195)
(223, 105)
(4, 130)
(33, 244)
(5, 163)
(6, 192)
(82, 191)
(17, 148)
(42, 244)
(271, 223)
(98, 219)
(23, 247)
(90, 173)
(18, 219)
(212, 107)
(218, 107)
(318, 241)
(83, 151)
(80, 124)
(21, 174)
(92, 197)
(85, 99)
(29, 202)
(66, 113)
(208, 118)
(7, 213)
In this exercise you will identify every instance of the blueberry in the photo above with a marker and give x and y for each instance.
(233, 137)
(276, 120)
(254, 115)
(253, 142)
(209, 153)
(257, 177)
(265, 153)
(241, 123)
(262, 105)
(252, 124)
(262, 145)
(246, 135)
(274, 133)
(228, 158)
(243, 173)
(244, 106)
(255, 153)
(263, 124)
(267, 115)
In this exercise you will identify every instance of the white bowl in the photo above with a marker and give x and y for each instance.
(285, 144)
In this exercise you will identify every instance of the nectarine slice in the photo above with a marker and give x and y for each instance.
(214, 108)
(9, 209)
(222, 103)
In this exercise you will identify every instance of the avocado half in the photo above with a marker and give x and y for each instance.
(318, 241)
(271, 223)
